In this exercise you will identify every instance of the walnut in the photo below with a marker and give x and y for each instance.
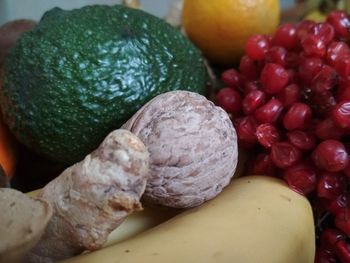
(192, 145)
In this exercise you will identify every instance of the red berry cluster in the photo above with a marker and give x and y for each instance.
(290, 102)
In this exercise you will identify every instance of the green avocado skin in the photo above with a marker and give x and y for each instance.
(82, 73)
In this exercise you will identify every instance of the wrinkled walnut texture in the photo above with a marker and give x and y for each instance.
(192, 145)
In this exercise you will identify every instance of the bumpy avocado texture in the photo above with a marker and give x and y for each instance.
(82, 73)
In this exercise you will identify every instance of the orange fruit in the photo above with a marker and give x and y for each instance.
(220, 28)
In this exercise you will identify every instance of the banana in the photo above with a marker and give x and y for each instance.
(140, 221)
(256, 219)
(316, 16)
(136, 223)
(317, 10)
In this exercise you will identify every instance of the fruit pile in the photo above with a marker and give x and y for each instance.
(290, 104)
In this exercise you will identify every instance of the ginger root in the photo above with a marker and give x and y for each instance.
(93, 197)
(23, 221)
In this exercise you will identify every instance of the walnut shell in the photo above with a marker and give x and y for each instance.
(192, 145)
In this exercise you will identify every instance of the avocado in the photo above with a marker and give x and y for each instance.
(82, 73)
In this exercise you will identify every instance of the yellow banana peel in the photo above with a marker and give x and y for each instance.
(256, 219)
(316, 16)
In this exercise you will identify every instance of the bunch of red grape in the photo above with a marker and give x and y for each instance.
(290, 104)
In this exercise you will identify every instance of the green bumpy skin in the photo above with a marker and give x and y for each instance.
(82, 73)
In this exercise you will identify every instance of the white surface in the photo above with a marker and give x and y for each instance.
(34, 9)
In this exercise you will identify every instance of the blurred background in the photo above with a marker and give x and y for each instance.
(33, 9)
